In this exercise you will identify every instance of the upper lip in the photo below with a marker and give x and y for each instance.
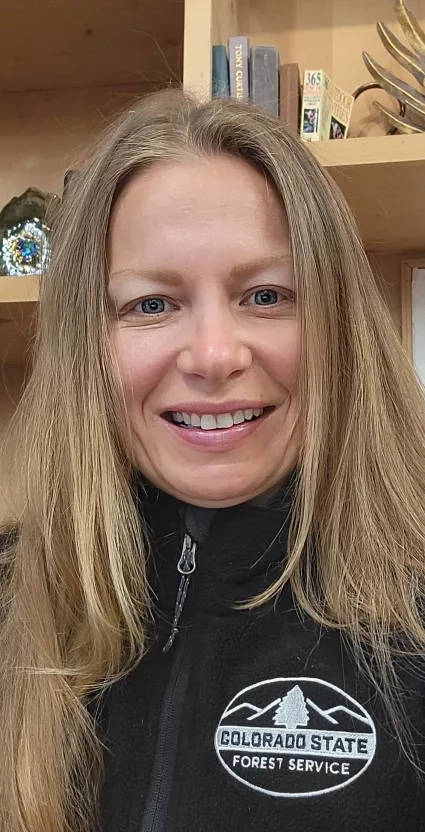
(211, 408)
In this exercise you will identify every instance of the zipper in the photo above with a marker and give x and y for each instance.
(186, 566)
(155, 813)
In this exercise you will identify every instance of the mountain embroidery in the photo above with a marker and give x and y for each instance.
(291, 710)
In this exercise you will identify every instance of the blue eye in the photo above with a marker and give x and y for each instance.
(152, 306)
(266, 297)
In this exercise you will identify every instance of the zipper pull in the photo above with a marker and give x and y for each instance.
(187, 562)
(186, 567)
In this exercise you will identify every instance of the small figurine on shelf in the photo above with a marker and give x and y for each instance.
(25, 225)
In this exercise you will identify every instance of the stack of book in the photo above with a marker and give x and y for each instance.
(320, 110)
(255, 74)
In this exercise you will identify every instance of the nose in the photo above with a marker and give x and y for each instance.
(215, 348)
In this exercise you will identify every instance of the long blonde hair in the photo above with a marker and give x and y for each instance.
(74, 593)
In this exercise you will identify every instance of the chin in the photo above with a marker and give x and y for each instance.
(216, 502)
(221, 485)
(208, 496)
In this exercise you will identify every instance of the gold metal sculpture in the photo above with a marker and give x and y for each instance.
(412, 120)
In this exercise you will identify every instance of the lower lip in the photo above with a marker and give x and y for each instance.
(220, 439)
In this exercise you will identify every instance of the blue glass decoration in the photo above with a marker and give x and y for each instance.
(25, 225)
(25, 248)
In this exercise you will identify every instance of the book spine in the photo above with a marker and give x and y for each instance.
(312, 105)
(264, 78)
(341, 104)
(290, 96)
(326, 108)
(238, 68)
(220, 72)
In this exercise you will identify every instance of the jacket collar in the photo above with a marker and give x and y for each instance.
(241, 549)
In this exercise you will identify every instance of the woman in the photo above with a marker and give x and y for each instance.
(214, 590)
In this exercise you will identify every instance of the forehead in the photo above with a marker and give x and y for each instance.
(193, 205)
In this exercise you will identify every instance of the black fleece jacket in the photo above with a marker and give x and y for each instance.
(253, 719)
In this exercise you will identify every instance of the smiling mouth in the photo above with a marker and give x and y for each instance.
(207, 422)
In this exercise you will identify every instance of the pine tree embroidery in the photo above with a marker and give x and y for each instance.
(292, 711)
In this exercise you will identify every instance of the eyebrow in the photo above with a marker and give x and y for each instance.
(172, 277)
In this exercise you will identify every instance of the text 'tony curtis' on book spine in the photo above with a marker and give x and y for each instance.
(238, 68)
(264, 78)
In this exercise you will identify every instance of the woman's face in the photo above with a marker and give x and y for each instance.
(206, 331)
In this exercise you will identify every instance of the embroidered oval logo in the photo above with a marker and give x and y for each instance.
(295, 737)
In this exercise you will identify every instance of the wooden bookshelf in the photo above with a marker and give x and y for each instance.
(383, 179)
(317, 34)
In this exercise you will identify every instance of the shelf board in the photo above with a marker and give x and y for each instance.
(383, 180)
(94, 43)
(18, 306)
(16, 290)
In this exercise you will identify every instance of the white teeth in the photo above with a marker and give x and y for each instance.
(208, 422)
(222, 420)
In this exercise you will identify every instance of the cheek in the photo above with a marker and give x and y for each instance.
(284, 356)
(143, 363)
(140, 362)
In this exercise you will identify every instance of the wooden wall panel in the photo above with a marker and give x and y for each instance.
(44, 133)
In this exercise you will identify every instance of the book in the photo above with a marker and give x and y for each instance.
(238, 68)
(326, 108)
(290, 96)
(220, 72)
(264, 78)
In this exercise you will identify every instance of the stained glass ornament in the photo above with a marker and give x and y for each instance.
(25, 227)
(25, 248)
